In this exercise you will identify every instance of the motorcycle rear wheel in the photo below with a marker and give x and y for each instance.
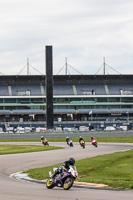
(68, 183)
(71, 144)
(50, 183)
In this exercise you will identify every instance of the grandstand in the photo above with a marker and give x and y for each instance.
(77, 98)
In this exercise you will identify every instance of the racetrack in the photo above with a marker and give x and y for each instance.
(12, 189)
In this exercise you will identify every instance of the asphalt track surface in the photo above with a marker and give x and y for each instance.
(12, 189)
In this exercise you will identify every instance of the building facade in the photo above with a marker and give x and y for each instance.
(76, 98)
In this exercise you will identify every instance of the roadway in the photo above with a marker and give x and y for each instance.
(12, 189)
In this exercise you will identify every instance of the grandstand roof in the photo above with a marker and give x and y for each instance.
(65, 79)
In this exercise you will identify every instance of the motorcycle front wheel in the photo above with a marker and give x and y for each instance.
(68, 183)
(50, 183)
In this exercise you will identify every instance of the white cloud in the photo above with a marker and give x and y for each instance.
(84, 31)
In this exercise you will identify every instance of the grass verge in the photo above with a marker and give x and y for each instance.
(114, 170)
(124, 139)
(13, 149)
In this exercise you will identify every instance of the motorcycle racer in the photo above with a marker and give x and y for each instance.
(94, 141)
(80, 139)
(65, 165)
(92, 138)
(67, 139)
(44, 141)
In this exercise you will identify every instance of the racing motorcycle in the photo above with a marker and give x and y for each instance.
(94, 142)
(82, 144)
(44, 141)
(64, 179)
(70, 143)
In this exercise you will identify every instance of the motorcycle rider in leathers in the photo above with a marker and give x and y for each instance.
(92, 138)
(65, 166)
(68, 140)
(80, 138)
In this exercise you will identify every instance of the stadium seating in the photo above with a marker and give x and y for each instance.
(70, 89)
(27, 111)
(91, 89)
(65, 111)
(63, 90)
(117, 89)
(83, 89)
(5, 112)
(4, 90)
(87, 111)
(26, 90)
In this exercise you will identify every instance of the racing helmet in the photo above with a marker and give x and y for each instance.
(72, 161)
(42, 137)
(92, 138)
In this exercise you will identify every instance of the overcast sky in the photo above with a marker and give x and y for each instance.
(84, 31)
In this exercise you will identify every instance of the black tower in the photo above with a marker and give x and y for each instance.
(49, 87)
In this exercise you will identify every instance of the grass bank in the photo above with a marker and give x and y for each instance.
(125, 139)
(13, 149)
(114, 170)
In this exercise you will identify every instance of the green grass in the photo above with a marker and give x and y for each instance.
(13, 149)
(124, 139)
(114, 170)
